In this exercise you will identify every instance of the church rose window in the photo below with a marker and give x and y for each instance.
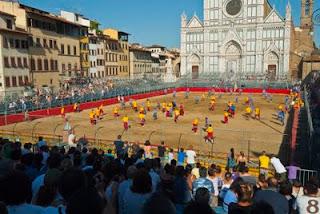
(233, 7)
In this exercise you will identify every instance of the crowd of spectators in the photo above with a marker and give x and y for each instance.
(45, 97)
(73, 180)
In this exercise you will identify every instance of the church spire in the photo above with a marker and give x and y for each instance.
(288, 12)
(183, 19)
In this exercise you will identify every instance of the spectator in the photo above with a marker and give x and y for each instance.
(161, 152)
(119, 146)
(278, 202)
(53, 162)
(26, 148)
(138, 194)
(15, 192)
(225, 185)
(181, 189)
(48, 193)
(202, 196)
(170, 156)
(191, 155)
(203, 181)
(278, 166)
(262, 208)
(29, 169)
(72, 139)
(147, 149)
(231, 195)
(197, 208)
(261, 184)
(247, 178)
(231, 162)
(241, 160)
(181, 156)
(125, 185)
(215, 180)
(159, 204)
(264, 161)
(297, 189)
(41, 142)
(310, 201)
(195, 170)
(292, 171)
(286, 190)
(87, 200)
(244, 204)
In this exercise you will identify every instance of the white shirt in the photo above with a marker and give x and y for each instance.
(307, 204)
(191, 156)
(170, 157)
(278, 166)
(71, 139)
(215, 182)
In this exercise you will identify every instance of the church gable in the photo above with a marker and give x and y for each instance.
(232, 35)
(194, 23)
(273, 17)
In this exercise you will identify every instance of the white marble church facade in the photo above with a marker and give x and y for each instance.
(243, 37)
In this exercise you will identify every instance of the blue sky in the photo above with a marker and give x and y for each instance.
(148, 21)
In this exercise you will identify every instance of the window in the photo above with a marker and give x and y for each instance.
(25, 62)
(74, 50)
(45, 43)
(13, 62)
(69, 67)
(55, 44)
(26, 80)
(24, 44)
(46, 65)
(69, 51)
(5, 42)
(307, 8)
(33, 64)
(63, 67)
(19, 62)
(11, 41)
(52, 64)
(56, 65)
(39, 65)
(30, 41)
(14, 81)
(50, 43)
(62, 49)
(17, 43)
(7, 82)
(6, 62)
(9, 23)
(38, 43)
(20, 80)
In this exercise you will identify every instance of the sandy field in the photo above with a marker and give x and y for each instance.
(240, 133)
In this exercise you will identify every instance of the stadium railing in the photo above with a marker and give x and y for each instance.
(304, 175)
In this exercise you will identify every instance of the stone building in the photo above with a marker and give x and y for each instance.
(84, 24)
(14, 57)
(117, 53)
(246, 39)
(240, 38)
(142, 64)
(303, 47)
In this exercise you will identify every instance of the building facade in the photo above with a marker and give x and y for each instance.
(237, 37)
(14, 57)
(84, 25)
(142, 63)
(117, 53)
